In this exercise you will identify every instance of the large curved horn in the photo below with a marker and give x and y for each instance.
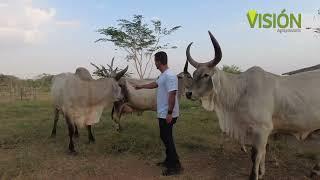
(185, 70)
(189, 58)
(212, 63)
(121, 73)
(217, 51)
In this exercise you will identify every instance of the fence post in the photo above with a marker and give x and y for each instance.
(35, 94)
(21, 91)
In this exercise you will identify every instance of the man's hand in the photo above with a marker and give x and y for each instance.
(169, 118)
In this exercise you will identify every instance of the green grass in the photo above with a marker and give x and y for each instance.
(26, 127)
(310, 154)
(26, 149)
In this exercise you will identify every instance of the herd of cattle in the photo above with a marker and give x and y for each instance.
(250, 106)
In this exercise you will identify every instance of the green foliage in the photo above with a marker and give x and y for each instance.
(43, 81)
(231, 69)
(8, 80)
(138, 40)
(102, 71)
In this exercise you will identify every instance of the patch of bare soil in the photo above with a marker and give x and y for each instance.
(229, 164)
(225, 163)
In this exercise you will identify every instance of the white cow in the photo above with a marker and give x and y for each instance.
(254, 104)
(145, 99)
(83, 74)
(82, 101)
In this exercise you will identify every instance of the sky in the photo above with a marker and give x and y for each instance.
(54, 36)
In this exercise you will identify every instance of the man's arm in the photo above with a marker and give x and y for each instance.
(171, 101)
(147, 86)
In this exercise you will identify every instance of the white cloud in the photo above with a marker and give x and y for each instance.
(22, 23)
(68, 23)
(3, 5)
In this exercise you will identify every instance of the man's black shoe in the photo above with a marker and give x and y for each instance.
(172, 171)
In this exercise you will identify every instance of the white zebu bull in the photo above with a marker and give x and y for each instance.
(82, 101)
(145, 99)
(83, 74)
(252, 105)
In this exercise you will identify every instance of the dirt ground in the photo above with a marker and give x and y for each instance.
(229, 163)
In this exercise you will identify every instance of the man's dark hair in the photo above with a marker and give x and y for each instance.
(161, 57)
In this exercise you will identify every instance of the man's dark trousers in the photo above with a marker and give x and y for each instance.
(172, 159)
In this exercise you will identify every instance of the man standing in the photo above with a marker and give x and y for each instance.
(167, 111)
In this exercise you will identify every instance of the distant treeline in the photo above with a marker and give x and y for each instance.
(43, 82)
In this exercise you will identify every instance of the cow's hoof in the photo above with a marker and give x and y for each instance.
(260, 176)
(73, 153)
(118, 129)
(91, 142)
(315, 171)
(314, 174)
(53, 135)
(253, 177)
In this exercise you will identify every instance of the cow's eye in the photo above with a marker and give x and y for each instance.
(206, 75)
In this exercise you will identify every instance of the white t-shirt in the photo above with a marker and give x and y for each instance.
(167, 82)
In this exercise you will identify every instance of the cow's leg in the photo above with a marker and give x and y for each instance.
(55, 121)
(76, 133)
(117, 124)
(115, 116)
(316, 170)
(71, 132)
(262, 166)
(123, 109)
(258, 151)
(90, 136)
(253, 159)
(222, 141)
(139, 113)
(118, 128)
(243, 148)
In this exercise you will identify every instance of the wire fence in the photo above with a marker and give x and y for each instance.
(16, 93)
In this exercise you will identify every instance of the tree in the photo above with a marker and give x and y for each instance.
(138, 40)
(315, 29)
(102, 71)
(231, 69)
